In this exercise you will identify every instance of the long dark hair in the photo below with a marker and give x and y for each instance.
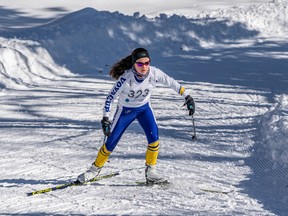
(121, 66)
(127, 63)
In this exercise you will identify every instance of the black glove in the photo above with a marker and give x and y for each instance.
(190, 104)
(106, 126)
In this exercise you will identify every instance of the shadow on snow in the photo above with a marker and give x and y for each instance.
(261, 65)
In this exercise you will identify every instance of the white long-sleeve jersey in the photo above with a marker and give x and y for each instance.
(133, 93)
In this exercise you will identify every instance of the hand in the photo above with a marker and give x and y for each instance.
(190, 104)
(106, 126)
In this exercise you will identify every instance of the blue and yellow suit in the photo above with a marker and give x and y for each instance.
(134, 104)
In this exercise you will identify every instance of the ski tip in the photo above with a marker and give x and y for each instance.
(34, 193)
(165, 182)
(216, 191)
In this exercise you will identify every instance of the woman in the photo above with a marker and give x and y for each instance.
(135, 81)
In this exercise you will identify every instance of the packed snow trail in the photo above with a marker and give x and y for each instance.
(236, 68)
(50, 134)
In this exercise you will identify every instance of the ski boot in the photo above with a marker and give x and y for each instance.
(92, 172)
(152, 177)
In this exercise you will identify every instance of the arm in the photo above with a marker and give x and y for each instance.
(114, 93)
(168, 81)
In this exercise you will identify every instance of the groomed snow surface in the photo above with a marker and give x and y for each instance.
(54, 80)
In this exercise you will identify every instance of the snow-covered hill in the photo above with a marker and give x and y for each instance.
(53, 81)
(269, 18)
(274, 130)
(108, 36)
(26, 63)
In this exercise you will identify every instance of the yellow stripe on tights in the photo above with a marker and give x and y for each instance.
(102, 156)
(152, 153)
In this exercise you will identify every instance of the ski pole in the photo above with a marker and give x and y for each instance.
(194, 130)
(104, 139)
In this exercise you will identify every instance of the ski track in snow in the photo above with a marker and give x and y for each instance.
(234, 62)
(50, 134)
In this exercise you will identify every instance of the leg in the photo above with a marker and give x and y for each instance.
(120, 123)
(152, 153)
(102, 157)
(148, 123)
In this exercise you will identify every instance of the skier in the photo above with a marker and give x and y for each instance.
(135, 81)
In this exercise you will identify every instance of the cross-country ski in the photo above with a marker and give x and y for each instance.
(71, 184)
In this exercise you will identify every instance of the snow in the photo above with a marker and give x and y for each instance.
(151, 8)
(274, 131)
(232, 56)
(269, 18)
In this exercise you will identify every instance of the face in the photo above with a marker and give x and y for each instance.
(142, 65)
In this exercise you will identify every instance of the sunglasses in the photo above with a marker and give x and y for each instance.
(141, 64)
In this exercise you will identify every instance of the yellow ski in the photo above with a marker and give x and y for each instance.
(70, 184)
